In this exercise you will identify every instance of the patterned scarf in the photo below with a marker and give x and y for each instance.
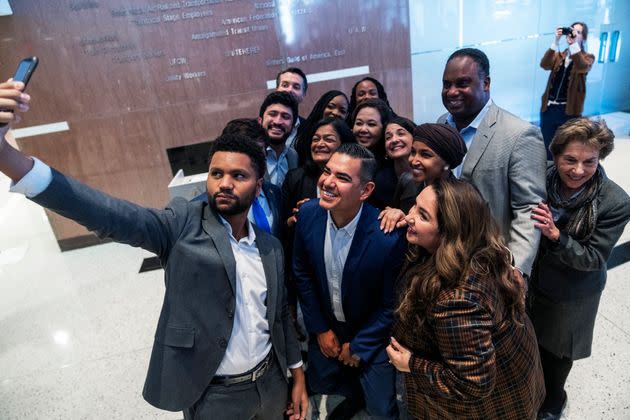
(584, 217)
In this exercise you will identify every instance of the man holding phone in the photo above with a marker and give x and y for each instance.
(23, 74)
(564, 95)
(224, 339)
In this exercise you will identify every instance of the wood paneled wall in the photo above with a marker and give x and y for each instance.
(133, 78)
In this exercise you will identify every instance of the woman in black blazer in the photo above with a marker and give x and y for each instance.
(584, 217)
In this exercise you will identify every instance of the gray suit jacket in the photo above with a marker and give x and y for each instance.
(569, 269)
(198, 310)
(507, 161)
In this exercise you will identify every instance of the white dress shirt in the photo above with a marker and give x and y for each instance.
(336, 248)
(251, 340)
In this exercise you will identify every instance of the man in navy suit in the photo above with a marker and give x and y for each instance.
(345, 268)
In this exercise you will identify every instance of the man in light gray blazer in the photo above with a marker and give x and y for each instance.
(506, 157)
(224, 339)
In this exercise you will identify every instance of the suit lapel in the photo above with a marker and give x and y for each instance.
(213, 227)
(360, 242)
(268, 258)
(319, 237)
(480, 141)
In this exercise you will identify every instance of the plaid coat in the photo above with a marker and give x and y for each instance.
(470, 361)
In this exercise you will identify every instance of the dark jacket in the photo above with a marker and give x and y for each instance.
(300, 183)
(367, 292)
(569, 269)
(576, 90)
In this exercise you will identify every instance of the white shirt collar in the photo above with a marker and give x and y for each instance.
(351, 227)
(251, 235)
(474, 123)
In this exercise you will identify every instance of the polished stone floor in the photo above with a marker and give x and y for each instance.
(76, 328)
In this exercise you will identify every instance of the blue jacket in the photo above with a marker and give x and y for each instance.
(367, 287)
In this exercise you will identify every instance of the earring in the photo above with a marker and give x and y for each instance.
(446, 168)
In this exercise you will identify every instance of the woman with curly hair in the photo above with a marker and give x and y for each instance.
(461, 337)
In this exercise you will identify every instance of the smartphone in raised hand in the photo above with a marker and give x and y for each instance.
(24, 72)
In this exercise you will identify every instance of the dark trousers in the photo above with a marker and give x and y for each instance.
(556, 370)
(375, 382)
(550, 120)
(265, 399)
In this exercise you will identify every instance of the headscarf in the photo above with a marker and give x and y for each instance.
(443, 140)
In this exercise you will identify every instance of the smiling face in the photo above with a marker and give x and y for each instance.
(368, 127)
(365, 90)
(232, 184)
(464, 93)
(426, 165)
(340, 186)
(293, 84)
(422, 224)
(576, 165)
(337, 108)
(397, 141)
(277, 120)
(324, 143)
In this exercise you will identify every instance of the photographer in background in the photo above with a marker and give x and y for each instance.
(566, 88)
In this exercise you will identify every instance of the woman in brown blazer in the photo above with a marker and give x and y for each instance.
(564, 95)
(461, 337)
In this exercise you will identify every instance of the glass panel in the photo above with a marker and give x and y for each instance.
(613, 50)
(603, 46)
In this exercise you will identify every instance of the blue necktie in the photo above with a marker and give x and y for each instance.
(259, 216)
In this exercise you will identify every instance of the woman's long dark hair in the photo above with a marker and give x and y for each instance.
(470, 245)
(386, 115)
(343, 131)
(305, 130)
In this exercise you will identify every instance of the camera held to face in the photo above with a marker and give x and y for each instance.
(568, 31)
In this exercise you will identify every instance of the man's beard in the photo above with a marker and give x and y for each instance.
(278, 141)
(239, 204)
